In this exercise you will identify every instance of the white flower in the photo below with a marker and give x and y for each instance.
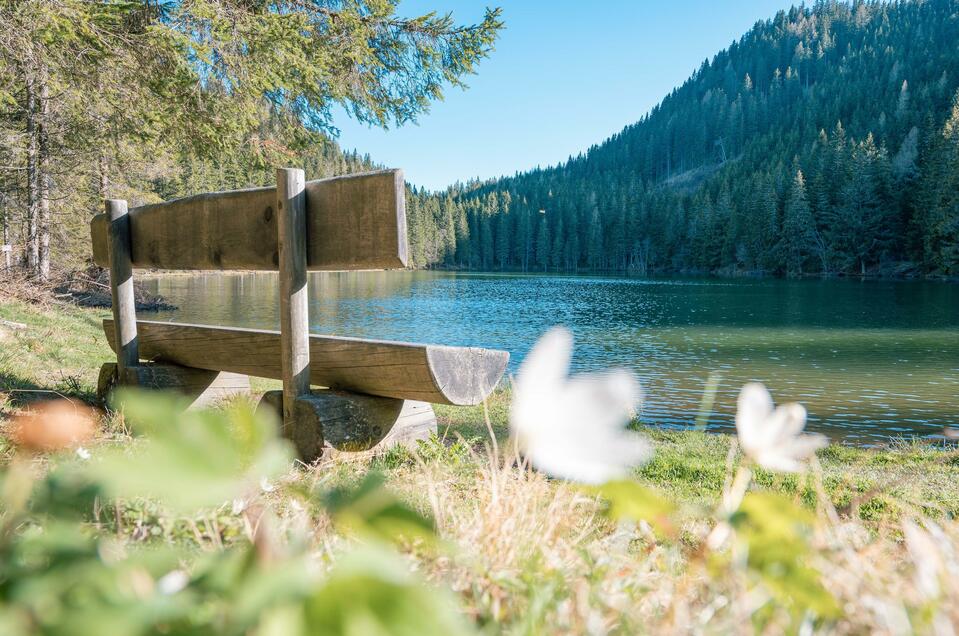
(83, 453)
(266, 486)
(718, 536)
(772, 437)
(172, 582)
(574, 428)
(926, 557)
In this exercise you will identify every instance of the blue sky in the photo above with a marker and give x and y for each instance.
(564, 75)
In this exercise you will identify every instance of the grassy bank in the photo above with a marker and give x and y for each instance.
(527, 554)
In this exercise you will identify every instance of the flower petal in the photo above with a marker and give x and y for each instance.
(805, 446)
(547, 364)
(752, 410)
(790, 420)
(574, 428)
(774, 460)
(589, 459)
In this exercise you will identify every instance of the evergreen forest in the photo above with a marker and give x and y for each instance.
(824, 141)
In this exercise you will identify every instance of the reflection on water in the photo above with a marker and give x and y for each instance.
(870, 360)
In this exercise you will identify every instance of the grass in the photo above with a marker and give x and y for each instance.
(691, 466)
(528, 554)
(60, 350)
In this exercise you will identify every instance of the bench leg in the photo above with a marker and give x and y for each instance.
(416, 422)
(351, 422)
(204, 388)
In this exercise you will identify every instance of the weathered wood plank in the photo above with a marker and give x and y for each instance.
(352, 422)
(357, 222)
(121, 283)
(416, 422)
(430, 373)
(353, 222)
(202, 386)
(294, 309)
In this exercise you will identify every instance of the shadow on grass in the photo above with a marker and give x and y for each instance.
(17, 392)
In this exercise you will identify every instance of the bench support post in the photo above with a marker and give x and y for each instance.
(352, 422)
(294, 318)
(121, 285)
(203, 388)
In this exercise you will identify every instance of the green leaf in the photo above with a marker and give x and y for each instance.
(371, 592)
(244, 586)
(374, 512)
(191, 459)
(628, 499)
(776, 532)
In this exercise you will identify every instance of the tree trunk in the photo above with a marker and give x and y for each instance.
(5, 236)
(33, 208)
(43, 175)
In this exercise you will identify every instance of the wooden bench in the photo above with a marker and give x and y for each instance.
(374, 391)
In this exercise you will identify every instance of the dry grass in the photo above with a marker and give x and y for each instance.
(527, 554)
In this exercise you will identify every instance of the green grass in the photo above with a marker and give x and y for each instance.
(60, 351)
(690, 467)
(63, 346)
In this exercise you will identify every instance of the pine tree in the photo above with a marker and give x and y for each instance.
(799, 231)
(503, 231)
(542, 244)
(940, 197)
(91, 85)
(594, 241)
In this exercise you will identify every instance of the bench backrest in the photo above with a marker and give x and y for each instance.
(352, 222)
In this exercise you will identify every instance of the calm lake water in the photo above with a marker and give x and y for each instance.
(870, 360)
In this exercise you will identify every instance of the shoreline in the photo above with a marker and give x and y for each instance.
(660, 275)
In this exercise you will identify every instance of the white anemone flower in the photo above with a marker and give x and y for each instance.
(575, 427)
(773, 437)
(926, 557)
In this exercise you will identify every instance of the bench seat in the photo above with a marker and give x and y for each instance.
(459, 376)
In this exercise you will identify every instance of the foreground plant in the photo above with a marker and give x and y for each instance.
(772, 436)
(776, 551)
(63, 572)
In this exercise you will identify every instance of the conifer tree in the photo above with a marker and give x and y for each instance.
(799, 232)
(542, 244)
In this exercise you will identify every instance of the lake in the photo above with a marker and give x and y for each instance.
(870, 360)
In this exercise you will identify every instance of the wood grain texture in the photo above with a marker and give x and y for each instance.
(417, 422)
(202, 386)
(121, 283)
(352, 422)
(429, 373)
(357, 222)
(353, 222)
(107, 380)
(344, 421)
(294, 308)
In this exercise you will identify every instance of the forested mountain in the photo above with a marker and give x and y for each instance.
(825, 140)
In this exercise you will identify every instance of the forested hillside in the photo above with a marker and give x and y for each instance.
(825, 140)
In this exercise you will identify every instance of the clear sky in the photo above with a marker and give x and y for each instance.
(565, 74)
